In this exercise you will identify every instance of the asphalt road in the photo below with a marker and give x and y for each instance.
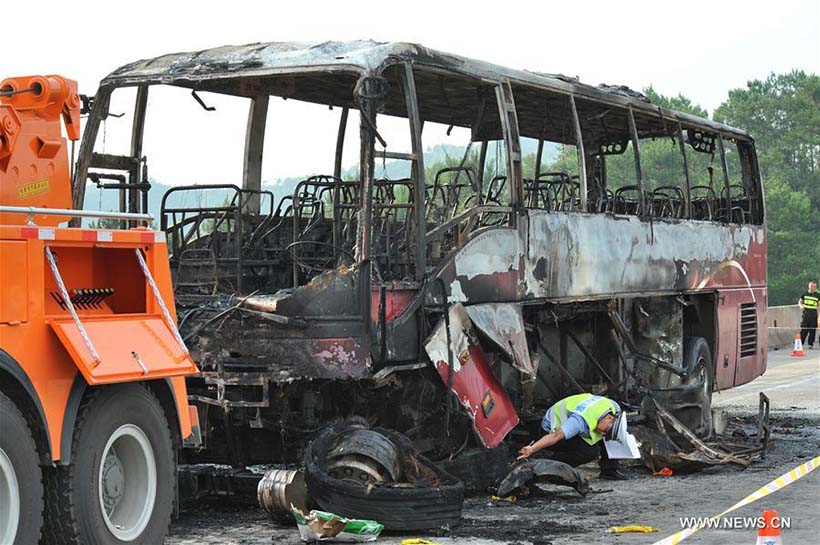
(788, 382)
(562, 517)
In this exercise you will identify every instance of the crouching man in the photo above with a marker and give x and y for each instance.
(575, 430)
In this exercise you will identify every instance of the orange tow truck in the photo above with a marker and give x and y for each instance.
(93, 403)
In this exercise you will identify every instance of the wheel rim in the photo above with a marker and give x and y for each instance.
(9, 500)
(127, 482)
(701, 375)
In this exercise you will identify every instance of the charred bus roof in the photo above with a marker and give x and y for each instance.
(327, 73)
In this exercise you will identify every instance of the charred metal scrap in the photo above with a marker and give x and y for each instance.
(456, 351)
(532, 472)
(666, 442)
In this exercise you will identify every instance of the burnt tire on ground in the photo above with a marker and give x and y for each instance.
(121, 484)
(433, 501)
(21, 483)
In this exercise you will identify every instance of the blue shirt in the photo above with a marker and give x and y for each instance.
(575, 425)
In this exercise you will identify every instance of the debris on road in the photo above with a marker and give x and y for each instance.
(384, 479)
(632, 529)
(280, 490)
(538, 471)
(479, 468)
(323, 526)
(667, 443)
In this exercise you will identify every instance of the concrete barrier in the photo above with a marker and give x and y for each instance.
(784, 324)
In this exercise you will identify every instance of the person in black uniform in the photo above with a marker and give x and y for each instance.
(808, 325)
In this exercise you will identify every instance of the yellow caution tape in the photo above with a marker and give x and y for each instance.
(417, 541)
(505, 498)
(781, 482)
(632, 529)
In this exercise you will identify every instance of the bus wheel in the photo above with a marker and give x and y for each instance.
(21, 483)
(697, 360)
(121, 483)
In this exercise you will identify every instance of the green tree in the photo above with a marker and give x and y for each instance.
(661, 160)
(106, 223)
(679, 103)
(782, 113)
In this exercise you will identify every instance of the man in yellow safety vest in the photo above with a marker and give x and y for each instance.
(575, 429)
(808, 324)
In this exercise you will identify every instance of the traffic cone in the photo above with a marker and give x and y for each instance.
(770, 533)
(798, 347)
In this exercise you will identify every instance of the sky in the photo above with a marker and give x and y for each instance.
(701, 49)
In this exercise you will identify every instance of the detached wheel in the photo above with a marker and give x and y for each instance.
(404, 506)
(121, 483)
(21, 484)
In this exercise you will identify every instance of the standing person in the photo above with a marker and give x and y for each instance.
(808, 325)
(575, 428)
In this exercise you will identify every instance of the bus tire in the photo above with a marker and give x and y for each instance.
(121, 484)
(697, 360)
(21, 481)
(401, 508)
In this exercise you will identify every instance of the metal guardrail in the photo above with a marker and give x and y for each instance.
(783, 324)
(32, 211)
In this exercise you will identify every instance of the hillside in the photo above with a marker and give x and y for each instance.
(108, 200)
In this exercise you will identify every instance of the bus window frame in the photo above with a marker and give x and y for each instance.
(726, 182)
(636, 149)
(580, 152)
(688, 184)
(512, 144)
(579, 145)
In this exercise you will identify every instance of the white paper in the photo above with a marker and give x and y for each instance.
(618, 450)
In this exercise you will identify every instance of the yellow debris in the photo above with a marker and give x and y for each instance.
(505, 498)
(417, 541)
(630, 529)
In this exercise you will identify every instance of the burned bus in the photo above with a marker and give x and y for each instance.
(582, 239)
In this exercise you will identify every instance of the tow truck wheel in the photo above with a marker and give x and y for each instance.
(121, 483)
(21, 484)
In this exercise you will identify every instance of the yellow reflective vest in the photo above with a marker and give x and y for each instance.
(589, 407)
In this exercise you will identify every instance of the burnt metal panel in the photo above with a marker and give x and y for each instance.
(588, 255)
(364, 57)
(566, 256)
(503, 324)
(462, 364)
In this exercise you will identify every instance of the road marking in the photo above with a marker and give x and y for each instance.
(791, 384)
(778, 385)
(780, 482)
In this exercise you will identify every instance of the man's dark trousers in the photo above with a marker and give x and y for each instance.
(808, 327)
(576, 452)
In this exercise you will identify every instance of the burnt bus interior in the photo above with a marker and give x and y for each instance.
(351, 256)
